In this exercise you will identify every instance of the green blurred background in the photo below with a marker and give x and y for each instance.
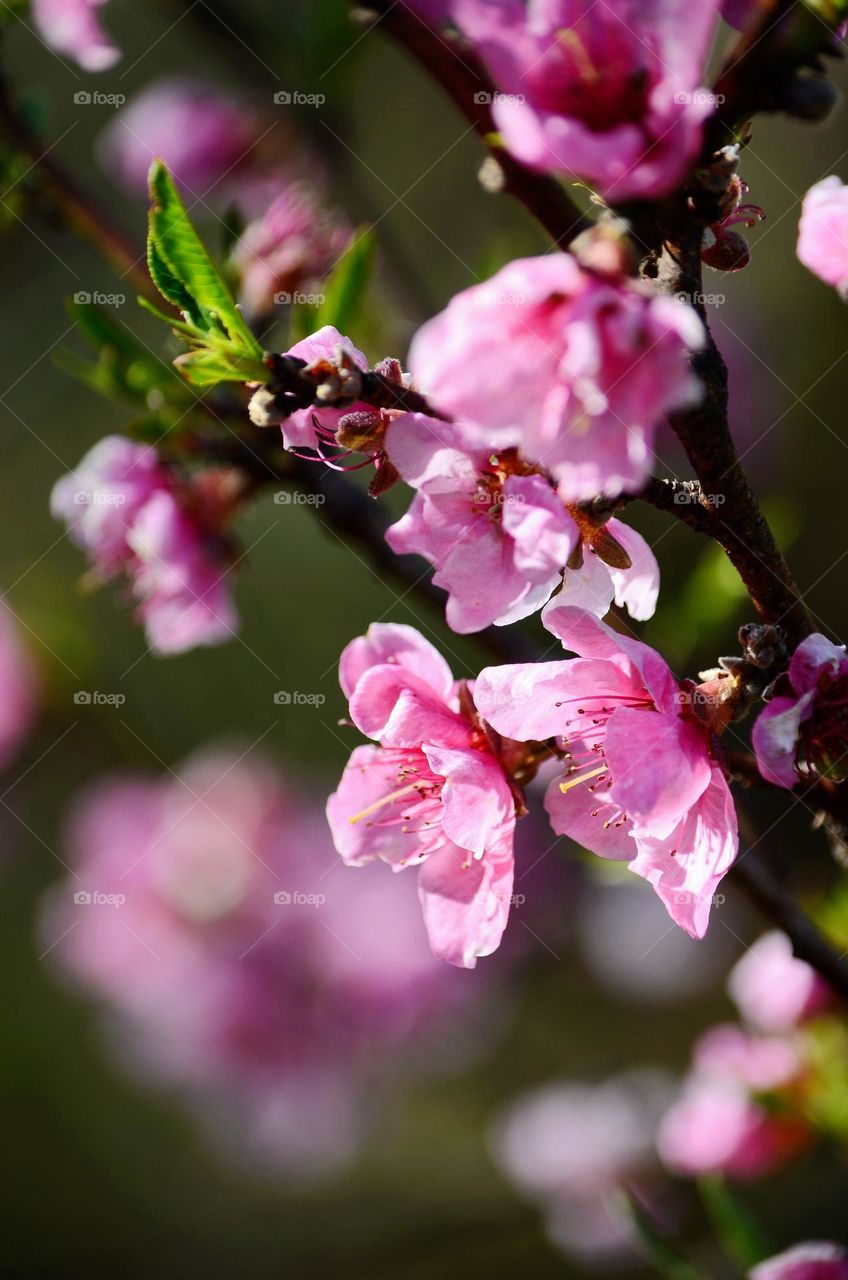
(104, 1178)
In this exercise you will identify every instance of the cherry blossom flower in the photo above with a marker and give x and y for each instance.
(200, 133)
(432, 794)
(720, 1124)
(812, 1260)
(132, 518)
(608, 93)
(235, 969)
(500, 536)
(772, 989)
(574, 369)
(316, 428)
(72, 27)
(823, 232)
(643, 784)
(287, 250)
(803, 730)
(571, 1146)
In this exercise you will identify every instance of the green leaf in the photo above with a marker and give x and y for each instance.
(124, 369)
(344, 292)
(738, 1233)
(205, 367)
(184, 273)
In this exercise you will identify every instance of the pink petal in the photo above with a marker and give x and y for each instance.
(478, 805)
(394, 642)
(659, 767)
(466, 903)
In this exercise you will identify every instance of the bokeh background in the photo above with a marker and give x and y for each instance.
(108, 1174)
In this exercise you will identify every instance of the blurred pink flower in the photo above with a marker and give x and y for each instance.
(719, 1125)
(772, 989)
(610, 93)
(207, 911)
(823, 232)
(133, 518)
(813, 1260)
(499, 535)
(287, 250)
(72, 27)
(739, 13)
(200, 133)
(432, 794)
(574, 370)
(803, 729)
(642, 784)
(570, 1147)
(18, 687)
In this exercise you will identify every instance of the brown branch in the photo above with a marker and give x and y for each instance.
(467, 83)
(78, 210)
(808, 943)
(739, 526)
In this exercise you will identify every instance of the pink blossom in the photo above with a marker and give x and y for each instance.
(133, 518)
(18, 687)
(715, 1127)
(200, 133)
(608, 93)
(813, 1260)
(313, 428)
(719, 1124)
(803, 730)
(823, 232)
(71, 27)
(287, 250)
(772, 989)
(642, 783)
(574, 369)
(571, 1146)
(208, 915)
(499, 535)
(432, 794)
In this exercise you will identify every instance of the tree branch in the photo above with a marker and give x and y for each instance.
(467, 83)
(808, 944)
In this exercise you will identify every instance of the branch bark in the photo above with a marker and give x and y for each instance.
(467, 83)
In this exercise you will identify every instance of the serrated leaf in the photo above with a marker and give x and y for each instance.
(344, 292)
(183, 271)
(206, 367)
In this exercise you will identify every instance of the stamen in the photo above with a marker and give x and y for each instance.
(574, 782)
